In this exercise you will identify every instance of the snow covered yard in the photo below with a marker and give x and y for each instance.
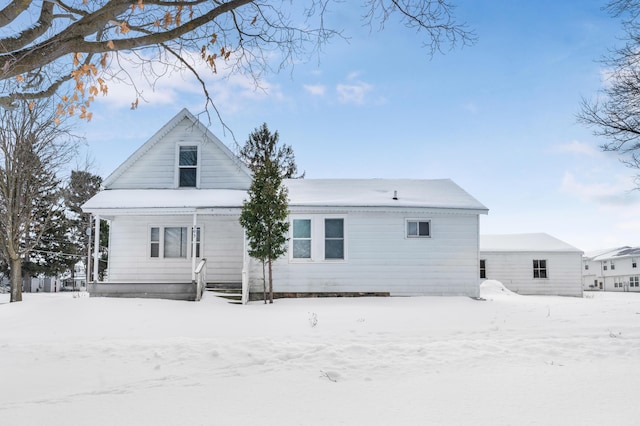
(518, 360)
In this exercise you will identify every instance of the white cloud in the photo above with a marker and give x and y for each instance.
(315, 89)
(231, 91)
(353, 93)
(614, 193)
(578, 147)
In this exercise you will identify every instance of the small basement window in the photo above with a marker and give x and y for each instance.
(418, 228)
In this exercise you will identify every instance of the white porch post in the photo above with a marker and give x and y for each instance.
(96, 248)
(245, 268)
(194, 235)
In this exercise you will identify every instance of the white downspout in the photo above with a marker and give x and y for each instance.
(194, 235)
(96, 249)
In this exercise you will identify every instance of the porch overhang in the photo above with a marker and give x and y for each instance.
(135, 202)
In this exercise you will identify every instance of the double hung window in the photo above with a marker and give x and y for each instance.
(188, 166)
(317, 238)
(334, 238)
(173, 242)
(301, 241)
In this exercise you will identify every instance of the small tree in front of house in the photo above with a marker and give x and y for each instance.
(264, 215)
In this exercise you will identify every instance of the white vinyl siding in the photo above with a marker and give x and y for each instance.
(129, 252)
(157, 168)
(379, 257)
(514, 270)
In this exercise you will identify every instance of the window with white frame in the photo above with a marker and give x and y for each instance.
(634, 281)
(540, 268)
(188, 166)
(613, 266)
(173, 242)
(634, 263)
(334, 238)
(301, 239)
(418, 228)
(586, 266)
(317, 238)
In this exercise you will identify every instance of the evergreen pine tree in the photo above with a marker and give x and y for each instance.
(264, 215)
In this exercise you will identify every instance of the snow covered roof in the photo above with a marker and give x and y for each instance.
(436, 193)
(535, 242)
(164, 199)
(440, 193)
(619, 252)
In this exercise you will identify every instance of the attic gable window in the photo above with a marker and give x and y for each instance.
(188, 166)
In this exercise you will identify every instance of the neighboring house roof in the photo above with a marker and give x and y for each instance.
(410, 193)
(157, 137)
(615, 253)
(535, 242)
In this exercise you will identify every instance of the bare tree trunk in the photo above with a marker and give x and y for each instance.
(264, 284)
(16, 280)
(270, 282)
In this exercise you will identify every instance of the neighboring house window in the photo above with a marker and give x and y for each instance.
(188, 166)
(483, 268)
(634, 263)
(612, 266)
(172, 242)
(334, 238)
(634, 281)
(586, 266)
(418, 228)
(301, 240)
(605, 267)
(539, 268)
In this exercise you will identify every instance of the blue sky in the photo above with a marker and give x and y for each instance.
(498, 117)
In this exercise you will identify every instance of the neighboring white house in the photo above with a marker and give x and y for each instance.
(532, 264)
(612, 269)
(178, 198)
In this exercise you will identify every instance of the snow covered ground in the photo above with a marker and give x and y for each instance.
(508, 360)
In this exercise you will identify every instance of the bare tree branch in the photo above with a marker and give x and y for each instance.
(42, 48)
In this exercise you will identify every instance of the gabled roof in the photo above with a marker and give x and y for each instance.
(615, 253)
(184, 114)
(534, 242)
(433, 193)
(410, 193)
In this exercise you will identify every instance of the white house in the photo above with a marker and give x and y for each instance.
(537, 264)
(176, 202)
(612, 269)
